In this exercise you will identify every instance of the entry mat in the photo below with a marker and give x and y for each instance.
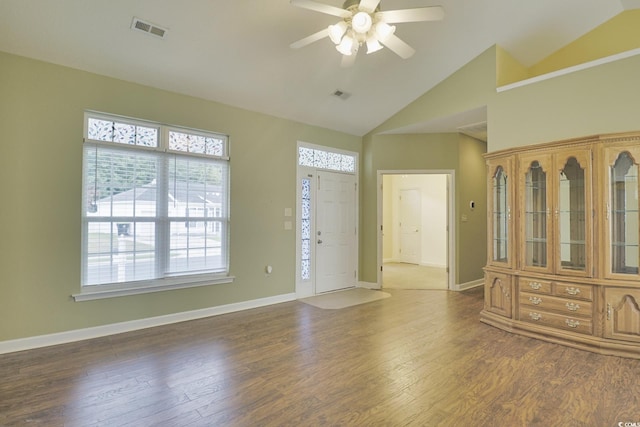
(346, 298)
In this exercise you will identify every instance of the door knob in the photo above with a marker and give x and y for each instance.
(319, 241)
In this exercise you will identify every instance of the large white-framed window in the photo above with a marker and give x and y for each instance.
(155, 210)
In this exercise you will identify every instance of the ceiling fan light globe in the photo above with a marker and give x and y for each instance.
(337, 31)
(384, 30)
(373, 45)
(346, 46)
(361, 22)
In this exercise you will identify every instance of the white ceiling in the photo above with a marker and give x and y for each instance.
(237, 51)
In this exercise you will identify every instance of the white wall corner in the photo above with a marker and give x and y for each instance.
(368, 285)
(468, 285)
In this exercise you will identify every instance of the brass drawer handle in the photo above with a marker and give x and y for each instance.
(535, 316)
(572, 323)
(573, 291)
(535, 300)
(535, 285)
(572, 306)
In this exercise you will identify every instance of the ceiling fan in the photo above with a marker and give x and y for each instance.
(364, 23)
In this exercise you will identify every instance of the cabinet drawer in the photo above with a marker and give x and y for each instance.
(535, 285)
(573, 290)
(575, 324)
(561, 305)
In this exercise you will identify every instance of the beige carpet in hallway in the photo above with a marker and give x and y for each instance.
(398, 275)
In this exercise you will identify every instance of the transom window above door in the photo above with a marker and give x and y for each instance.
(329, 160)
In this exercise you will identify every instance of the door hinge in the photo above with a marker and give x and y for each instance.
(380, 268)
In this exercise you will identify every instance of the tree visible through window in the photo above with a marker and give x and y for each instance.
(153, 208)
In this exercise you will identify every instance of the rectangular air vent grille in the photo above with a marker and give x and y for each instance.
(148, 28)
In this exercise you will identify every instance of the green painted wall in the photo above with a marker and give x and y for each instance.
(471, 254)
(470, 87)
(41, 114)
(602, 99)
(423, 152)
(41, 117)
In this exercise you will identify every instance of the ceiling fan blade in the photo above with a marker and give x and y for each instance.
(368, 5)
(433, 13)
(348, 60)
(321, 7)
(310, 39)
(399, 47)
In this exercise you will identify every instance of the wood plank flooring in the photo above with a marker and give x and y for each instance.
(418, 358)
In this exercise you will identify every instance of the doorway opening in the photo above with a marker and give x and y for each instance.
(326, 223)
(415, 241)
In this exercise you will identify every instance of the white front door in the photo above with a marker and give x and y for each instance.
(336, 232)
(410, 226)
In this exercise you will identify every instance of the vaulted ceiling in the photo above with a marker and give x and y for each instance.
(237, 51)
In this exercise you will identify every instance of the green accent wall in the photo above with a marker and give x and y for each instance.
(602, 99)
(444, 151)
(471, 87)
(41, 117)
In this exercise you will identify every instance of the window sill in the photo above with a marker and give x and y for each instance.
(120, 290)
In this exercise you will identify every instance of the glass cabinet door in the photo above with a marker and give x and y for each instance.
(622, 213)
(535, 209)
(573, 224)
(499, 218)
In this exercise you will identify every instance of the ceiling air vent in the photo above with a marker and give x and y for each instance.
(342, 95)
(147, 27)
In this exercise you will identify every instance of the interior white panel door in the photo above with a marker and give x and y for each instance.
(335, 232)
(410, 213)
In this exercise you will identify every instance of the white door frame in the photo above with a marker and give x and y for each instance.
(451, 179)
(307, 287)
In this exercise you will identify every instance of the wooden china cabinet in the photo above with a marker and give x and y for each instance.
(564, 243)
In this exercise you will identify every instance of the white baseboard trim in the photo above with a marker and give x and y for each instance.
(430, 264)
(468, 285)
(421, 263)
(368, 285)
(133, 325)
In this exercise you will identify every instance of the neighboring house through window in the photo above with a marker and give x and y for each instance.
(155, 206)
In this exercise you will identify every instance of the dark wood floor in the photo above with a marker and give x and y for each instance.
(419, 358)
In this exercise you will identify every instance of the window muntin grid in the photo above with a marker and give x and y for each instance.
(151, 212)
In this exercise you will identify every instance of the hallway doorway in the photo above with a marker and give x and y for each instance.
(415, 236)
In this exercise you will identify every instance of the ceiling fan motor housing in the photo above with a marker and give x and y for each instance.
(349, 4)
